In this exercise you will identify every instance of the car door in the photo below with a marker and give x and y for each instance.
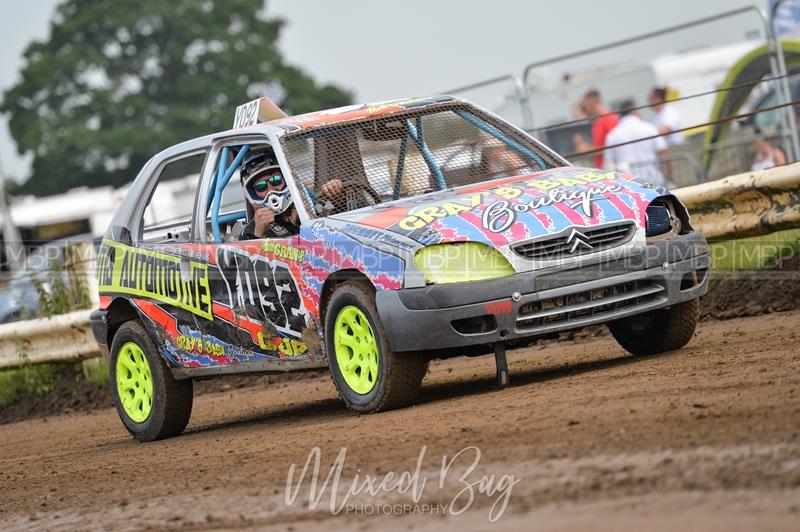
(161, 273)
(259, 317)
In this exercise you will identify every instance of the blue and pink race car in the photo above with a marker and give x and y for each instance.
(399, 232)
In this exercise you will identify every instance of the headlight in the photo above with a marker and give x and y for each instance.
(659, 219)
(461, 262)
(666, 214)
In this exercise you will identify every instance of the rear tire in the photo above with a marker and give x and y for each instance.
(150, 402)
(658, 330)
(368, 375)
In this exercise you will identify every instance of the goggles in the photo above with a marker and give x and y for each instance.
(262, 183)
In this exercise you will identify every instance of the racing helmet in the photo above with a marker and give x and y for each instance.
(257, 168)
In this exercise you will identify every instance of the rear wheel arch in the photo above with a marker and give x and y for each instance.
(120, 310)
(150, 402)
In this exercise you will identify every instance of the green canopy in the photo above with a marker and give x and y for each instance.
(749, 69)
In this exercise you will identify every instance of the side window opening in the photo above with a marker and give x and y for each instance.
(231, 211)
(168, 214)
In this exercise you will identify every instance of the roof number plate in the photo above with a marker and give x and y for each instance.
(246, 115)
(261, 110)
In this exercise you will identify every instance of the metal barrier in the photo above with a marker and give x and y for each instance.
(749, 204)
(736, 155)
(65, 338)
(777, 68)
(682, 168)
(742, 205)
(786, 96)
(679, 169)
(519, 91)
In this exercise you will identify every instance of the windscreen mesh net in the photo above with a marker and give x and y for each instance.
(343, 167)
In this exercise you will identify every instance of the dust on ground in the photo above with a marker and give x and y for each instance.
(706, 438)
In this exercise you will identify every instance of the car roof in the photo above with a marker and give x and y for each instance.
(350, 113)
(291, 124)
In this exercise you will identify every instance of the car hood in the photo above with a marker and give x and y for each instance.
(514, 209)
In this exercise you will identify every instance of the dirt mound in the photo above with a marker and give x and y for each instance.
(72, 393)
(68, 392)
(753, 293)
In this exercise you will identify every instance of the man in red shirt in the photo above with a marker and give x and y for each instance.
(603, 122)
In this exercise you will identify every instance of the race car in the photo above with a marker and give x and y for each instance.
(450, 232)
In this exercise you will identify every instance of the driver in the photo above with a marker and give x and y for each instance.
(265, 188)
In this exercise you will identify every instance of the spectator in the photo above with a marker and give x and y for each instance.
(667, 120)
(603, 121)
(767, 155)
(639, 158)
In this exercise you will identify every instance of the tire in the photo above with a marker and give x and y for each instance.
(378, 379)
(151, 407)
(658, 330)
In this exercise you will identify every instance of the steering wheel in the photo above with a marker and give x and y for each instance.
(366, 190)
(358, 191)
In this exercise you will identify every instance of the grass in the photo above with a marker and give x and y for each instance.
(41, 378)
(31, 379)
(754, 253)
(95, 370)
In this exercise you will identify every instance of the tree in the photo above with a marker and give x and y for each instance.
(120, 80)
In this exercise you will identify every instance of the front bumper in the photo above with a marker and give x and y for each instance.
(540, 303)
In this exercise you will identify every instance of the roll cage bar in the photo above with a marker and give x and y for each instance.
(225, 171)
(416, 134)
(220, 180)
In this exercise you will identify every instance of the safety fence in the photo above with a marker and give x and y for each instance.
(683, 165)
(702, 157)
(742, 205)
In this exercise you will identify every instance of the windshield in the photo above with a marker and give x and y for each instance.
(407, 155)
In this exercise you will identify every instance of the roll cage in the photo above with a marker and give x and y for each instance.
(224, 154)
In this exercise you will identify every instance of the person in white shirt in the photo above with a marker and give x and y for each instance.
(667, 120)
(767, 155)
(639, 158)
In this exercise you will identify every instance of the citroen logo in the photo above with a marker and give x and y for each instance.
(576, 240)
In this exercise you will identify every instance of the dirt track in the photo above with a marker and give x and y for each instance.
(707, 437)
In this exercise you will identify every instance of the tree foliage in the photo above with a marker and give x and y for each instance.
(119, 80)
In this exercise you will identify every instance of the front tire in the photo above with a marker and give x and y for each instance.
(150, 402)
(368, 375)
(658, 330)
